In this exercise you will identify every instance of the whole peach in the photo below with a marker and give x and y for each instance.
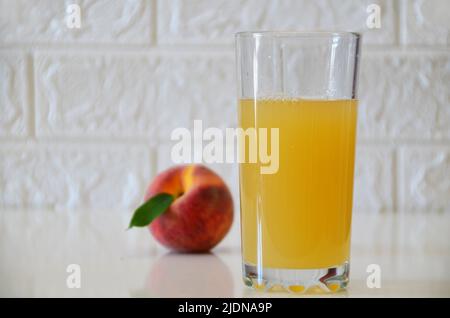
(201, 214)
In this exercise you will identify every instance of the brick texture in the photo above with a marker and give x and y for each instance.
(197, 21)
(427, 22)
(103, 21)
(68, 177)
(14, 98)
(86, 114)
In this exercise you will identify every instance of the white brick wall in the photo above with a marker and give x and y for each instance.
(426, 22)
(405, 96)
(15, 99)
(86, 115)
(69, 176)
(206, 21)
(374, 182)
(425, 178)
(103, 21)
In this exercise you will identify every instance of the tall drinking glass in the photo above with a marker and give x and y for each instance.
(297, 114)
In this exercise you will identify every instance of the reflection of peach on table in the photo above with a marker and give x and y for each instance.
(172, 276)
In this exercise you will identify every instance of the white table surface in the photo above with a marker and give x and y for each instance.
(36, 248)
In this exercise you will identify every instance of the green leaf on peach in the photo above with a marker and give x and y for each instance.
(151, 209)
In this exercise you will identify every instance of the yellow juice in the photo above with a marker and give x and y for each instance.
(300, 216)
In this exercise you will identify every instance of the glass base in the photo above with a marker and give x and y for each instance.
(297, 281)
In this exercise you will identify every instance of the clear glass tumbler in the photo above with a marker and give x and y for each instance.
(297, 117)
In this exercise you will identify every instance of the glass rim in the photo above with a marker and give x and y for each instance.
(299, 34)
